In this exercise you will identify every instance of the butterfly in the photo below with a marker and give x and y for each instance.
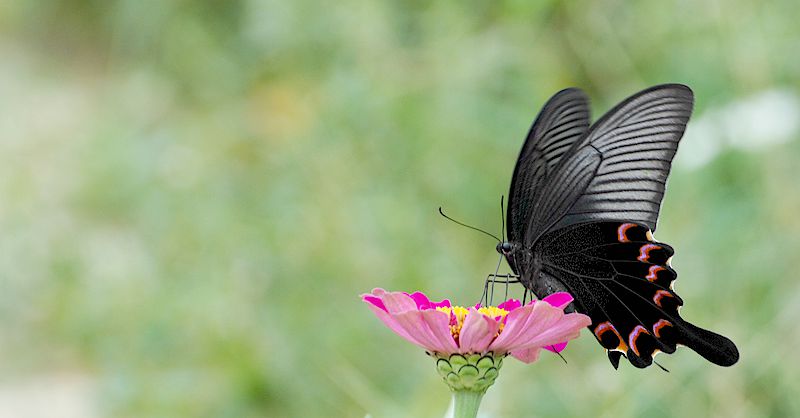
(583, 203)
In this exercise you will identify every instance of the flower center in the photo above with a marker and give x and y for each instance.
(459, 313)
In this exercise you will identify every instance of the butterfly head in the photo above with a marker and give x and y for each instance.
(504, 248)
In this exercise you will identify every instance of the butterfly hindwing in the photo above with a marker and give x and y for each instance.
(621, 278)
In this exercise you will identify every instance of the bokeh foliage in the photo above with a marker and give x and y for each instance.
(193, 194)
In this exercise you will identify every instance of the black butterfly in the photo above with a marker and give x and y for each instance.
(582, 205)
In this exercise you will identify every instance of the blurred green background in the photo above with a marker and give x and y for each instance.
(193, 194)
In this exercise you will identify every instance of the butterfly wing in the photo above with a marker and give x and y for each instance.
(621, 278)
(561, 122)
(636, 142)
(616, 174)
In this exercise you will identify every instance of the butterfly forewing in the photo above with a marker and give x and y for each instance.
(637, 140)
(563, 120)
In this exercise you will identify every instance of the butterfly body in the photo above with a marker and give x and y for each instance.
(583, 204)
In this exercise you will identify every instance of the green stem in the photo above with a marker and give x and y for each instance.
(466, 403)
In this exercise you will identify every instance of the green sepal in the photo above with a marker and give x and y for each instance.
(471, 372)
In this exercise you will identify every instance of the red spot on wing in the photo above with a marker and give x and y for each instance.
(659, 295)
(634, 335)
(652, 274)
(644, 251)
(622, 232)
(660, 324)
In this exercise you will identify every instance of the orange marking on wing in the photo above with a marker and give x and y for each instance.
(660, 324)
(622, 230)
(644, 252)
(652, 274)
(660, 294)
(634, 335)
(603, 327)
(607, 326)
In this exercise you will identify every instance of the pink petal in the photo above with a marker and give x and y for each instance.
(439, 324)
(430, 328)
(374, 300)
(556, 348)
(420, 299)
(510, 305)
(477, 332)
(423, 302)
(400, 314)
(523, 323)
(392, 324)
(538, 325)
(528, 355)
(559, 299)
(568, 327)
(378, 292)
(445, 303)
(398, 302)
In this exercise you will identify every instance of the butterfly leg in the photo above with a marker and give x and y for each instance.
(494, 276)
(488, 294)
(484, 295)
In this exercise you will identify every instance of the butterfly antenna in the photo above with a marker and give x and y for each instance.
(470, 227)
(660, 366)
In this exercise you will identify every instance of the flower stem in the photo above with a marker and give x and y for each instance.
(466, 403)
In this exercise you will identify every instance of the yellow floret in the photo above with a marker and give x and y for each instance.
(460, 314)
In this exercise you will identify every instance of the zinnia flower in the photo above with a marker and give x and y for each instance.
(508, 328)
(469, 344)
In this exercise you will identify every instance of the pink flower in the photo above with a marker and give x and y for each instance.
(509, 328)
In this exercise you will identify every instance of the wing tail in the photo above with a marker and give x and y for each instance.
(713, 347)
